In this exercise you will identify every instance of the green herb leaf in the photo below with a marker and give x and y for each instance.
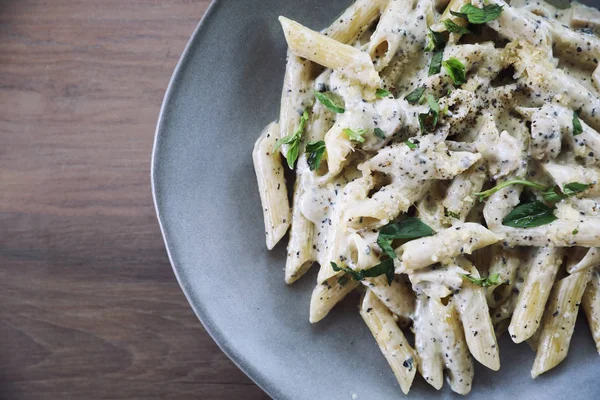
(573, 188)
(355, 136)
(453, 27)
(456, 70)
(575, 231)
(381, 93)
(315, 152)
(342, 280)
(379, 133)
(529, 215)
(577, 128)
(429, 121)
(332, 101)
(459, 15)
(411, 145)
(435, 66)
(408, 229)
(483, 282)
(452, 214)
(487, 193)
(293, 141)
(435, 40)
(477, 15)
(414, 96)
(384, 268)
(554, 194)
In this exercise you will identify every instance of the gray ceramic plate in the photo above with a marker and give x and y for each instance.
(225, 90)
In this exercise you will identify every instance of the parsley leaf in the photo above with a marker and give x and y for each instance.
(411, 145)
(332, 101)
(293, 141)
(552, 195)
(355, 136)
(573, 188)
(483, 282)
(529, 215)
(487, 193)
(384, 268)
(452, 214)
(315, 152)
(379, 133)
(577, 128)
(414, 96)
(435, 66)
(477, 15)
(575, 231)
(428, 122)
(453, 27)
(381, 93)
(456, 70)
(408, 229)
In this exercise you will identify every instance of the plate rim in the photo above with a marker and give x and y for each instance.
(212, 331)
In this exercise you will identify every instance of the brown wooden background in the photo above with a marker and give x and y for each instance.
(89, 306)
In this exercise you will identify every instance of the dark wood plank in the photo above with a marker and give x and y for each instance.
(89, 305)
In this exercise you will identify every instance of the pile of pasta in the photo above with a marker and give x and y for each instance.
(447, 159)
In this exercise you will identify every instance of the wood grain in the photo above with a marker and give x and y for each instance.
(89, 306)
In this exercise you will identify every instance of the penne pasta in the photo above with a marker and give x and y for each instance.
(591, 307)
(327, 294)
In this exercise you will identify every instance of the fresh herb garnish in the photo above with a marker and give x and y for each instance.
(529, 215)
(428, 122)
(577, 128)
(381, 93)
(408, 229)
(487, 193)
(435, 66)
(477, 15)
(379, 133)
(411, 145)
(315, 152)
(483, 282)
(452, 214)
(435, 40)
(414, 96)
(356, 136)
(554, 194)
(383, 268)
(453, 27)
(331, 100)
(293, 141)
(575, 231)
(456, 70)
(342, 280)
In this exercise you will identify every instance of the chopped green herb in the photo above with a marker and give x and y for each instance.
(577, 128)
(332, 101)
(315, 152)
(411, 145)
(379, 133)
(428, 121)
(529, 215)
(452, 214)
(575, 231)
(381, 93)
(435, 40)
(487, 193)
(483, 282)
(356, 136)
(456, 70)
(459, 14)
(476, 15)
(293, 141)
(435, 66)
(554, 194)
(408, 229)
(384, 268)
(453, 27)
(414, 96)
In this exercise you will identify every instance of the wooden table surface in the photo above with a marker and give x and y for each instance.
(89, 305)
